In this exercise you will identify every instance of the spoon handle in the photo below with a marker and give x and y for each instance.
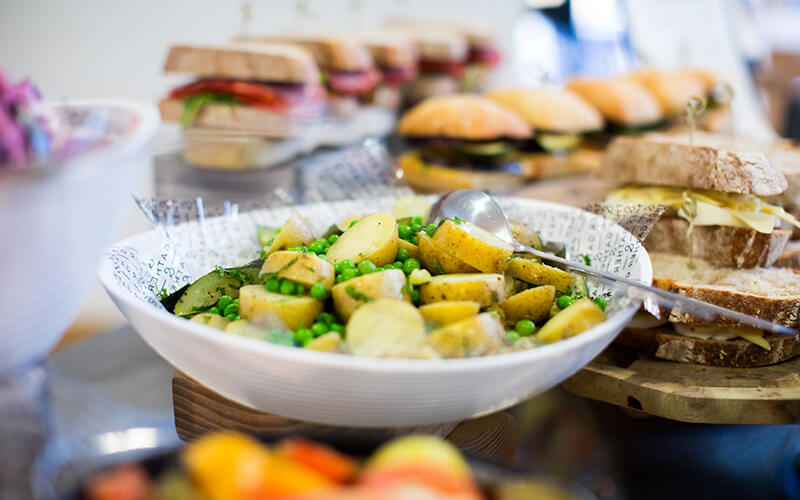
(638, 290)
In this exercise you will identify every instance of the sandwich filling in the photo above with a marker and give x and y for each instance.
(351, 83)
(395, 76)
(438, 66)
(300, 100)
(451, 152)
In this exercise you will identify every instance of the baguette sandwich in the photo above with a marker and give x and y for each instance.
(241, 93)
(460, 141)
(395, 57)
(347, 67)
(560, 119)
(715, 243)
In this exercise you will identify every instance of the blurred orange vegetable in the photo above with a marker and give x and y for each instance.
(322, 459)
(127, 482)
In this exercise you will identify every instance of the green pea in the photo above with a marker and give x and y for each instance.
(397, 265)
(525, 327)
(231, 309)
(600, 301)
(430, 229)
(339, 278)
(415, 296)
(349, 274)
(417, 221)
(512, 336)
(319, 328)
(273, 284)
(232, 317)
(299, 289)
(338, 267)
(347, 263)
(366, 267)
(318, 291)
(214, 310)
(402, 254)
(287, 287)
(336, 327)
(410, 264)
(415, 240)
(564, 301)
(326, 318)
(332, 238)
(405, 232)
(388, 267)
(224, 302)
(303, 336)
(316, 247)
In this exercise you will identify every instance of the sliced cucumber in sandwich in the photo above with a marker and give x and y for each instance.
(486, 149)
(558, 143)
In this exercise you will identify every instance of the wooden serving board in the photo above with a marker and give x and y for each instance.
(692, 393)
(199, 410)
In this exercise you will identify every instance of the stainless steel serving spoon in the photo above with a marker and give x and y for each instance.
(482, 210)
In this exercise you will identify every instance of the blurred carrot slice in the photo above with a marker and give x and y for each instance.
(126, 482)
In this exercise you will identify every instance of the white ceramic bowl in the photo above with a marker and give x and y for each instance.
(345, 390)
(55, 225)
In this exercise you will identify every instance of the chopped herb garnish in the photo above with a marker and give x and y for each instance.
(163, 294)
(356, 294)
(438, 266)
(458, 220)
(586, 259)
(600, 301)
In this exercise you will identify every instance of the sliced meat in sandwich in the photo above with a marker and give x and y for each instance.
(264, 90)
(347, 67)
(395, 56)
(460, 141)
(561, 119)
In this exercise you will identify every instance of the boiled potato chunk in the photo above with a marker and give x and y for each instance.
(438, 260)
(387, 328)
(272, 310)
(524, 234)
(485, 289)
(373, 238)
(411, 206)
(475, 336)
(212, 320)
(353, 293)
(449, 311)
(328, 342)
(295, 232)
(304, 268)
(533, 304)
(579, 317)
(474, 245)
(536, 273)
(412, 249)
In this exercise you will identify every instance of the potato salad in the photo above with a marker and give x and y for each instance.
(387, 285)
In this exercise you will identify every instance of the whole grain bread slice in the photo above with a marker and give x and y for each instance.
(790, 257)
(769, 293)
(664, 343)
(725, 246)
(659, 160)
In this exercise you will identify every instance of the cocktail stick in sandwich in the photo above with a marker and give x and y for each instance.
(264, 90)
(347, 67)
(395, 56)
(560, 119)
(460, 141)
(627, 106)
(713, 244)
(673, 89)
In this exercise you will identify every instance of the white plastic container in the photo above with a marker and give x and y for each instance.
(54, 225)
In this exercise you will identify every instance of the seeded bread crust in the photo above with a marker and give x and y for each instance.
(725, 246)
(657, 160)
(664, 343)
(340, 53)
(272, 62)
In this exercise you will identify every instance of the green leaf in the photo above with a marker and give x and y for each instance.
(192, 105)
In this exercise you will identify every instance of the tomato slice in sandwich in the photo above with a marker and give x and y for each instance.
(278, 98)
(353, 82)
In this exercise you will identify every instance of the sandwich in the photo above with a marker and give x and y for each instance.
(460, 141)
(561, 119)
(266, 92)
(673, 89)
(395, 57)
(348, 71)
(442, 54)
(716, 243)
(627, 106)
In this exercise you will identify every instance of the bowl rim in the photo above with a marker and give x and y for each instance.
(86, 163)
(356, 363)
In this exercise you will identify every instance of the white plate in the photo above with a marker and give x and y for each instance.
(345, 390)
(55, 226)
